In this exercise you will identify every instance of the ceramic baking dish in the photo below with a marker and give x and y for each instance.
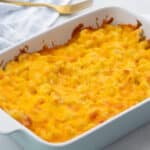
(105, 133)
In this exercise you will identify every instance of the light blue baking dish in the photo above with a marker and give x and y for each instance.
(103, 134)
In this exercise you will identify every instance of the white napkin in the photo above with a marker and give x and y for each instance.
(18, 23)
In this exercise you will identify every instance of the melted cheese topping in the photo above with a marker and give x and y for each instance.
(62, 92)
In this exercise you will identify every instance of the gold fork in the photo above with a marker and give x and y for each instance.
(62, 9)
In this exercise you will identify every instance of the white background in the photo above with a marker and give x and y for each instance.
(137, 140)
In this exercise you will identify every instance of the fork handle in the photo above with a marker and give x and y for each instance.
(29, 4)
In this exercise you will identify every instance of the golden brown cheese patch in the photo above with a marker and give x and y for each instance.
(62, 92)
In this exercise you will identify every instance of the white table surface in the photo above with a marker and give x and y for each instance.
(137, 140)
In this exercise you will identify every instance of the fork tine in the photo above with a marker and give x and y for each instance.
(69, 9)
(81, 5)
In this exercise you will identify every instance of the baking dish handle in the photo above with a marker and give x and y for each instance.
(7, 124)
